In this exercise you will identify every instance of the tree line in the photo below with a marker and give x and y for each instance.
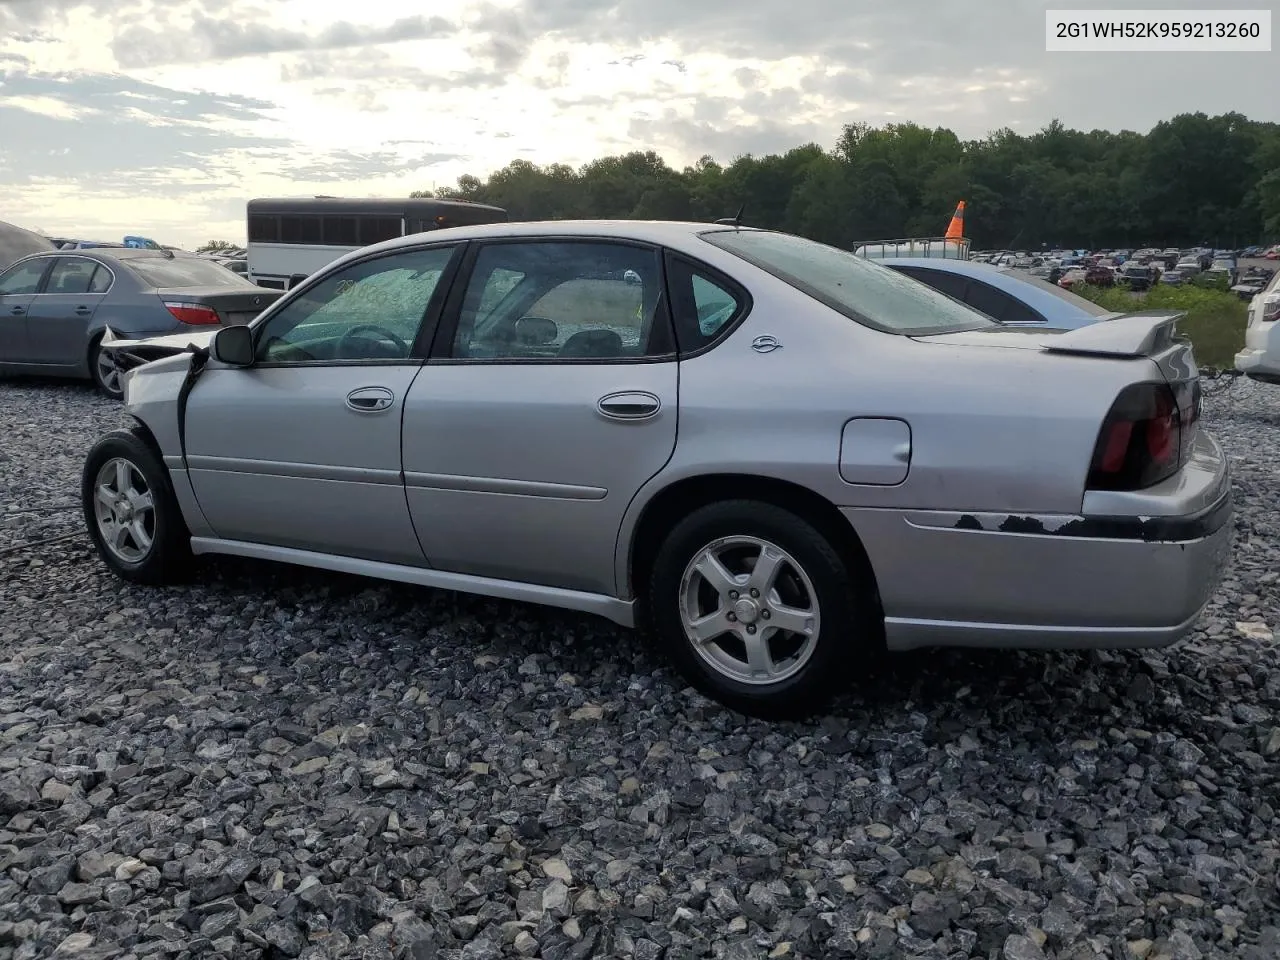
(1191, 180)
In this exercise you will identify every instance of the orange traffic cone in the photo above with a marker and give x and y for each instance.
(956, 230)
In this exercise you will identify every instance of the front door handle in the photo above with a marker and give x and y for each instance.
(629, 405)
(370, 399)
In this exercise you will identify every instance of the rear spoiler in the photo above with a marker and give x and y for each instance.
(1143, 334)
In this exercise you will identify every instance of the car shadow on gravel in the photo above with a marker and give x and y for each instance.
(1077, 692)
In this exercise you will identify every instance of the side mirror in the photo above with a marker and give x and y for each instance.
(234, 346)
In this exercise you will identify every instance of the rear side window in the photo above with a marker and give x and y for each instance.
(71, 275)
(704, 304)
(184, 272)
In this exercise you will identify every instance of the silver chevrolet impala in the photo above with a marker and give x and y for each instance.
(773, 455)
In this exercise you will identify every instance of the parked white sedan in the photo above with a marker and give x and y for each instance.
(777, 454)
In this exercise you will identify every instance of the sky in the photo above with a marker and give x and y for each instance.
(164, 117)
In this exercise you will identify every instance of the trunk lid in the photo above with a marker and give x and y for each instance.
(234, 306)
(1146, 335)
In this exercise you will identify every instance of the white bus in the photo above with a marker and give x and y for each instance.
(289, 239)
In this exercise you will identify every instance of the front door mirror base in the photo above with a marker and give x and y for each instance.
(234, 346)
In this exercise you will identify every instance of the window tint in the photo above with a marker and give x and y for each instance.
(370, 310)
(952, 284)
(184, 272)
(998, 304)
(264, 228)
(701, 307)
(864, 291)
(377, 229)
(101, 281)
(71, 275)
(561, 300)
(341, 231)
(1088, 306)
(23, 278)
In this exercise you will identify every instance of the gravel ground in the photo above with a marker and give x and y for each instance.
(280, 763)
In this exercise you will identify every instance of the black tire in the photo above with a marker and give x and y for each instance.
(104, 386)
(846, 605)
(168, 557)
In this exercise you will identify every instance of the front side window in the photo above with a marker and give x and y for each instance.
(547, 300)
(371, 310)
(23, 278)
(864, 291)
(164, 273)
(71, 275)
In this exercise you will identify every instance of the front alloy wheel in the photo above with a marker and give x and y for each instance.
(131, 512)
(125, 511)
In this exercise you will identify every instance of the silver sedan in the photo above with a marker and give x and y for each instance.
(775, 455)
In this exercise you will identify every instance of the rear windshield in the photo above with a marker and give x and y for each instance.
(860, 289)
(184, 272)
(1077, 301)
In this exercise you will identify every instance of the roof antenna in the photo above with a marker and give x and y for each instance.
(735, 220)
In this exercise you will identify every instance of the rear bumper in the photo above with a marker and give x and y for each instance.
(997, 580)
(1261, 352)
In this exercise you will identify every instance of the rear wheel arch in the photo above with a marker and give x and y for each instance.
(674, 502)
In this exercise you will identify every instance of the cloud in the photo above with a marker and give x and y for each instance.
(137, 129)
(212, 38)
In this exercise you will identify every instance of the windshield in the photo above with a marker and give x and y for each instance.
(861, 289)
(184, 272)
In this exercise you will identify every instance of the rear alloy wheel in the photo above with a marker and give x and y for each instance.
(107, 375)
(132, 515)
(757, 609)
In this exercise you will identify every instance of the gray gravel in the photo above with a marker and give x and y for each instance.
(280, 763)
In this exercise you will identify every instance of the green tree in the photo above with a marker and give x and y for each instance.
(1193, 179)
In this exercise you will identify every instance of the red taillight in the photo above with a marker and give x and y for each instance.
(194, 314)
(1140, 443)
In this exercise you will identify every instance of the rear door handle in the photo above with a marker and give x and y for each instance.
(83, 311)
(17, 311)
(370, 399)
(629, 405)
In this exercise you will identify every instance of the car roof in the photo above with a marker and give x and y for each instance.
(650, 231)
(119, 253)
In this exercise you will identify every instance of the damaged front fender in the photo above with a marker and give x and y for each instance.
(129, 354)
